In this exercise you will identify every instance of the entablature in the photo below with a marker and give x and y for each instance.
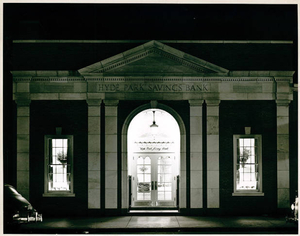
(237, 85)
(37, 76)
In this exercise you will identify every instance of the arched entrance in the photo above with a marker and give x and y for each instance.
(153, 158)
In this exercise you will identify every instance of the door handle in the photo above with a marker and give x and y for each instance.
(152, 185)
(155, 185)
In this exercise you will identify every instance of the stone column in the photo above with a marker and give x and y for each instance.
(111, 150)
(283, 180)
(213, 186)
(23, 146)
(124, 172)
(196, 153)
(182, 177)
(94, 124)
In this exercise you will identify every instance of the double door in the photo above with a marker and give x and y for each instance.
(153, 181)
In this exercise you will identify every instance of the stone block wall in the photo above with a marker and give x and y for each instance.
(261, 117)
(233, 117)
(72, 116)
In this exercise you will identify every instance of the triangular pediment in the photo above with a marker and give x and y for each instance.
(152, 58)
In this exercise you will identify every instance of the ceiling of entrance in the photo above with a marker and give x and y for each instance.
(140, 130)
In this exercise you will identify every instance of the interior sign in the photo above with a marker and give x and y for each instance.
(154, 149)
(144, 187)
(135, 87)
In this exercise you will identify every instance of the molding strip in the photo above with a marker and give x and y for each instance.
(140, 79)
(162, 41)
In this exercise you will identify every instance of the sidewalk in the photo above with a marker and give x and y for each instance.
(161, 224)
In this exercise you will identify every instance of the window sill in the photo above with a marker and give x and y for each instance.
(59, 195)
(248, 194)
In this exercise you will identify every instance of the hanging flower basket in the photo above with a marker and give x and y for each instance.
(62, 158)
(244, 158)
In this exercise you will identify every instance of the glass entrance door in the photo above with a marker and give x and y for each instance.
(154, 181)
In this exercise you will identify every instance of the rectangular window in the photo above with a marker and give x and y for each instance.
(58, 165)
(247, 165)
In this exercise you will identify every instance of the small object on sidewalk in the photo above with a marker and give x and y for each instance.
(294, 211)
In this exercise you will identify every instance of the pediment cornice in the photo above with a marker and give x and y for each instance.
(258, 76)
(152, 48)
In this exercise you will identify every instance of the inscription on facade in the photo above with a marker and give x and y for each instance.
(139, 87)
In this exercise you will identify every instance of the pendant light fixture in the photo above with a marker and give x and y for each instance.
(154, 126)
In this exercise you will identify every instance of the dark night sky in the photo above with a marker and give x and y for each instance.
(147, 22)
(150, 21)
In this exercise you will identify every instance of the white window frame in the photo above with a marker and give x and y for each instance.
(58, 193)
(247, 192)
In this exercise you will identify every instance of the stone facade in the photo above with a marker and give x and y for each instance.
(153, 72)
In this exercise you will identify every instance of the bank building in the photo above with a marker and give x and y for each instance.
(184, 127)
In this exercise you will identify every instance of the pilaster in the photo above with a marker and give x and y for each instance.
(283, 180)
(213, 185)
(94, 132)
(196, 153)
(111, 165)
(23, 146)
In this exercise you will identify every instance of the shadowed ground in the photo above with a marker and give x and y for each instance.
(160, 224)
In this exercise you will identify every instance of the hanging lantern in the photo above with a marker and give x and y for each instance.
(154, 126)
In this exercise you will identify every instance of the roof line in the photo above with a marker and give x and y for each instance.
(162, 41)
(67, 73)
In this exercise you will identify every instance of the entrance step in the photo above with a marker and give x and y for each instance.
(156, 212)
